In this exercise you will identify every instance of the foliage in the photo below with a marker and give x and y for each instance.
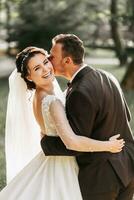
(3, 102)
(39, 21)
(120, 40)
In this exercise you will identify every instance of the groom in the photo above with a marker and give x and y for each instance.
(96, 108)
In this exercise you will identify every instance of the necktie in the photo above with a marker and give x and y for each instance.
(69, 85)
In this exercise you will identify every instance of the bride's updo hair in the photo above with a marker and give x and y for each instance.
(22, 60)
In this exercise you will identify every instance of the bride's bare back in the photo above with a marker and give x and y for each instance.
(37, 109)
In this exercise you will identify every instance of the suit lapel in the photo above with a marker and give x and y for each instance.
(80, 74)
(77, 78)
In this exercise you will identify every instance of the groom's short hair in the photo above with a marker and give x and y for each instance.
(71, 46)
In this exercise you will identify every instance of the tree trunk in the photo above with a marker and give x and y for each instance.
(128, 80)
(7, 7)
(116, 35)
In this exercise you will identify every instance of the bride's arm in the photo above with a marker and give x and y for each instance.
(76, 142)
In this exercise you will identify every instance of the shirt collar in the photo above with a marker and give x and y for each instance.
(83, 66)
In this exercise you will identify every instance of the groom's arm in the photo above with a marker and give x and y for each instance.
(54, 146)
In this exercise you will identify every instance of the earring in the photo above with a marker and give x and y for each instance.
(30, 80)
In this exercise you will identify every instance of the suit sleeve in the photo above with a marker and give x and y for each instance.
(81, 116)
(129, 117)
(82, 112)
(53, 146)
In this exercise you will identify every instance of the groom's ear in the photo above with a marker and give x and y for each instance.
(67, 60)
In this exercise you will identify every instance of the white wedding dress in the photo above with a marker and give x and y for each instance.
(45, 177)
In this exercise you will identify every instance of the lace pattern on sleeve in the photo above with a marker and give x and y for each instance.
(49, 124)
(47, 101)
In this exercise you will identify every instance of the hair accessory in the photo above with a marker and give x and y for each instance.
(29, 50)
(23, 60)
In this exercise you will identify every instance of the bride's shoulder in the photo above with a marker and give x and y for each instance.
(47, 100)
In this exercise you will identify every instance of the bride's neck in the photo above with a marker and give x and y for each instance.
(46, 90)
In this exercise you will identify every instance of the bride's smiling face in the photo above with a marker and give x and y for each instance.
(40, 70)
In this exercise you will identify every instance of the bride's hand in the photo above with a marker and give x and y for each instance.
(116, 144)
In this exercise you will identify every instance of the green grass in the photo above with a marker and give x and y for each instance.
(3, 103)
(118, 72)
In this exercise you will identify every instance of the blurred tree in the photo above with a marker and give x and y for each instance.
(8, 19)
(116, 33)
(128, 80)
(8, 12)
(96, 30)
(122, 29)
(39, 21)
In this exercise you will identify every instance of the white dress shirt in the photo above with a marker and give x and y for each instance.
(83, 66)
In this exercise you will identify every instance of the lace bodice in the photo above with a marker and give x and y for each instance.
(48, 121)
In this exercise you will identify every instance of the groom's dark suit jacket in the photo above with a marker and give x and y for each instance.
(96, 108)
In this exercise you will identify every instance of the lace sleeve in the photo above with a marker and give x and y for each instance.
(47, 101)
(69, 138)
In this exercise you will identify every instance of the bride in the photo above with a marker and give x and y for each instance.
(31, 174)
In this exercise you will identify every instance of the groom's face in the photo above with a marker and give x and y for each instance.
(57, 59)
